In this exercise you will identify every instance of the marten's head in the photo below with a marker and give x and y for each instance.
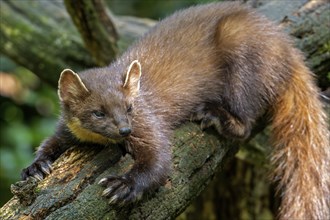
(98, 105)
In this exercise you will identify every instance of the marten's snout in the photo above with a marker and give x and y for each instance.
(125, 131)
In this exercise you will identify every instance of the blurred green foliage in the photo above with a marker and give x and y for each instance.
(29, 114)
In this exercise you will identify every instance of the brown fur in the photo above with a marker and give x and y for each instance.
(225, 65)
(301, 154)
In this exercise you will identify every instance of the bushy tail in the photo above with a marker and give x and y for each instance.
(302, 150)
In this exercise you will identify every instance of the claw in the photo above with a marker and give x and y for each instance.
(121, 190)
(38, 176)
(49, 165)
(103, 181)
(107, 191)
(45, 168)
(33, 178)
(205, 123)
(38, 170)
(113, 199)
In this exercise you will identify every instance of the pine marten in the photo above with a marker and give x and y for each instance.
(220, 63)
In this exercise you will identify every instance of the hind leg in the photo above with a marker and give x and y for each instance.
(213, 115)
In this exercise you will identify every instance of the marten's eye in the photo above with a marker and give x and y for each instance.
(129, 108)
(98, 114)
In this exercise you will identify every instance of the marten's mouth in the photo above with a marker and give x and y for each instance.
(117, 137)
(115, 141)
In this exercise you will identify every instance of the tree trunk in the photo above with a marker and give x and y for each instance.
(96, 28)
(71, 191)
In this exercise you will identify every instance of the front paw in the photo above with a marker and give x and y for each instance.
(121, 190)
(38, 169)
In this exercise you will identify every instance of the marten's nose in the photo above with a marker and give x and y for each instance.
(125, 131)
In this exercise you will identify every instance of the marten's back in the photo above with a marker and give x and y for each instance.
(205, 54)
(188, 56)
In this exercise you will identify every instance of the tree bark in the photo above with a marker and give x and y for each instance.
(44, 46)
(71, 191)
(96, 28)
(308, 23)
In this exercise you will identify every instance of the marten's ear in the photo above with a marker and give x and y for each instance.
(70, 87)
(132, 80)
